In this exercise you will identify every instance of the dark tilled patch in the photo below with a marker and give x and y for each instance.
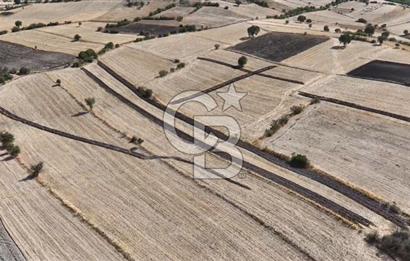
(17, 56)
(145, 28)
(384, 71)
(278, 46)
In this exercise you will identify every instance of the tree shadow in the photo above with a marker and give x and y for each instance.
(338, 47)
(29, 177)
(8, 158)
(79, 114)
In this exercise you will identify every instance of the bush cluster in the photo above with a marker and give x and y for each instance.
(298, 161)
(397, 244)
(144, 93)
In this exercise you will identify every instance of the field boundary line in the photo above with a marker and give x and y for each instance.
(249, 71)
(355, 106)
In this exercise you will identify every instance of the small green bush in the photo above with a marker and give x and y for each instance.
(24, 71)
(163, 73)
(299, 161)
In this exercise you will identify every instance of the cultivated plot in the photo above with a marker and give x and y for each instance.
(16, 56)
(277, 46)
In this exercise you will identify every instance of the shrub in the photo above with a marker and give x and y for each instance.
(24, 71)
(301, 18)
(18, 23)
(253, 31)
(15, 29)
(296, 109)
(13, 150)
(77, 37)
(180, 65)
(372, 237)
(3, 32)
(58, 82)
(397, 244)
(242, 61)
(144, 93)
(6, 138)
(90, 102)
(163, 73)
(36, 169)
(298, 161)
(88, 55)
(217, 46)
(326, 28)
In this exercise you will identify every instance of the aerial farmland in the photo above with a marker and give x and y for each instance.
(204, 130)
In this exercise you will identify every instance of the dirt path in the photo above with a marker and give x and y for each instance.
(9, 251)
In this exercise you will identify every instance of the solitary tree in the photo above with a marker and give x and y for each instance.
(380, 39)
(301, 18)
(253, 31)
(242, 61)
(345, 39)
(369, 29)
(58, 82)
(18, 23)
(77, 37)
(217, 46)
(326, 28)
(90, 102)
(406, 32)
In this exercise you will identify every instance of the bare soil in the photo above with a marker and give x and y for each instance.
(384, 71)
(278, 46)
(16, 56)
(143, 28)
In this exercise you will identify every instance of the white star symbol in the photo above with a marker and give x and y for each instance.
(232, 98)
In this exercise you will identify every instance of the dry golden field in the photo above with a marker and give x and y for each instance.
(114, 187)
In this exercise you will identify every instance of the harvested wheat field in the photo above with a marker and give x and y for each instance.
(213, 17)
(50, 42)
(292, 143)
(144, 201)
(88, 32)
(383, 96)
(57, 12)
(129, 182)
(360, 147)
(28, 211)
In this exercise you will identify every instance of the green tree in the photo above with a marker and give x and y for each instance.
(345, 39)
(326, 28)
(242, 61)
(406, 32)
(77, 37)
(369, 29)
(301, 18)
(253, 31)
(13, 150)
(18, 23)
(90, 102)
(6, 138)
